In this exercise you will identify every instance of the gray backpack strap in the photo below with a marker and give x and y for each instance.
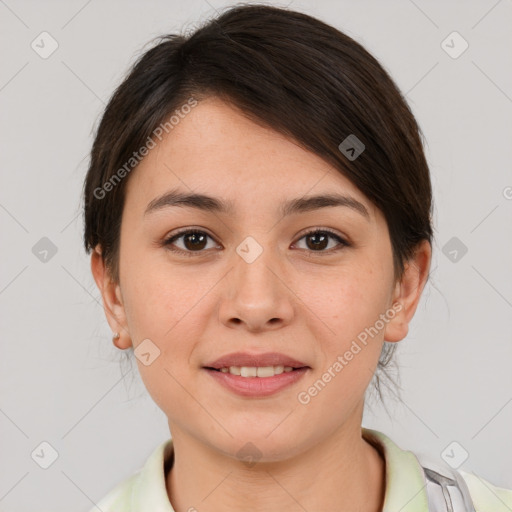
(446, 489)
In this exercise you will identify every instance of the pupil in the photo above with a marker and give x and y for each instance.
(323, 238)
(194, 238)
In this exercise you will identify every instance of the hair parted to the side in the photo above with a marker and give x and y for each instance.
(287, 71)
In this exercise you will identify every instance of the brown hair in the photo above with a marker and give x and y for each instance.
(285, 70)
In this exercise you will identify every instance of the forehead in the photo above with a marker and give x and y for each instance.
(215, 148)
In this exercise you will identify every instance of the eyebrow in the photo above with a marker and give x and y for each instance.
(217, 205)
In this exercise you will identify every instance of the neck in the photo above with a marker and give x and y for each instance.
(202, 479)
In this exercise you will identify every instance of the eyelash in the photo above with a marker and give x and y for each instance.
(168, 242)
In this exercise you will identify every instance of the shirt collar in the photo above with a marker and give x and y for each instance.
(149, 491)
(405, 484)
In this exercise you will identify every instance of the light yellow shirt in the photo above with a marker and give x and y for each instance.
(145, 491)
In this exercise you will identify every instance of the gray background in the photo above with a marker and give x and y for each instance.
(61, 378)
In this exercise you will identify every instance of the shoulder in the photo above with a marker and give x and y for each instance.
(119, 498)
(415, 479)
(486, 496)
(143, 490)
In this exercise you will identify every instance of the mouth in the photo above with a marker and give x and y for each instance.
(256, 375)
(261, 372)
(255, 365)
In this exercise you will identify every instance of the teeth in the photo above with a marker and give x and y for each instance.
(253, 371)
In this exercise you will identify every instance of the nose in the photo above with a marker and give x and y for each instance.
(256, 295)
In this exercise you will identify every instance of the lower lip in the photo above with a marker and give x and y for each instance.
(257, 386)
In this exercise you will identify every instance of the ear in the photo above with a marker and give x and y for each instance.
(112, 299)
(408, 291)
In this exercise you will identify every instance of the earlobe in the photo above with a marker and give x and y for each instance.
(408, 292)
(112, 300)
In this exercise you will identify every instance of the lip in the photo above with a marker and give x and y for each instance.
(257, 386)
(248, 359)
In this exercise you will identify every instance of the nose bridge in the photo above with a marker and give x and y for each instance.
(255, 293)
(252, 274)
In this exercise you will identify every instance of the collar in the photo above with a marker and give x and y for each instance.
(405, 485)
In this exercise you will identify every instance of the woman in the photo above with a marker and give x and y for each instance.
(258, 207)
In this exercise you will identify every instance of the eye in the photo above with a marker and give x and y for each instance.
(318, 239)
(194, 240)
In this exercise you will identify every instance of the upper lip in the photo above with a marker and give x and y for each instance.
(247, 359)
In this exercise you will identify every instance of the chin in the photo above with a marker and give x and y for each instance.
(254, 445)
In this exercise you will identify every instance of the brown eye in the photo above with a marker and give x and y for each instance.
(318, 240)
(192, 241)
(196, 241)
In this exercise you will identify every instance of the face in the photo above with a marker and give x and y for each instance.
(306, 283)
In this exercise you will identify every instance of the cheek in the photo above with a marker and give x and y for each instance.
(350, 333)
(170, 306)
(159, 302)
(155, 293)
(349, 299)
(348, 344)
(163, 307)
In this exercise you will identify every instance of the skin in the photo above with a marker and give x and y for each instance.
(294, 299)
